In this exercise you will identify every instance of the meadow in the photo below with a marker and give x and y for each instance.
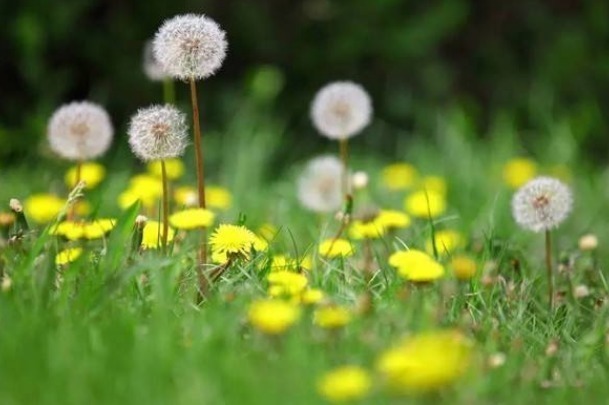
(274, 292)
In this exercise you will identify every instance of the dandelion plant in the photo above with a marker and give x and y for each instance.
(541, 205)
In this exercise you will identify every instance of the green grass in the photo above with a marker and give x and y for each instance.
(107, 335)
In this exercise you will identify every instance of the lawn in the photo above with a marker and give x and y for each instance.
(297, 306)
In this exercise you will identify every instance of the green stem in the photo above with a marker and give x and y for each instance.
(165, 207)
(549, 270)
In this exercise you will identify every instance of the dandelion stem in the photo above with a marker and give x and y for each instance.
(344, 158)
(198, 148)
(200, 179)
(165, 207)
(549, 270)
(72, 210)
(169, 93)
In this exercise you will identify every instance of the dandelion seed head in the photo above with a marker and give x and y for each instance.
(341, 110)
(80, 131)
(151, 66)
(158, 132)
(190, 46)
(319, 187)
(542, 204)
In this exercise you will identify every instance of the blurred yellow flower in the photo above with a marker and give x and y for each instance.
(43, 208)
(425, 204)
(392, 219)
(366, 230)
(144, 188)
(260, 244)
(271, 316)
(306, 263)
(232, 240)
(67, 256)
(384, 221)
(312, 296)
(464, 267)
(186, 196)
(73, 230)
(331, 248)
(416, 266)
(192, 218)
(436, 184)
(268, 231)
(218, 197)
(215, 197)
(446, 241)
(153, 235)
(399, 176)
(331, 317)
(426, 362)
(91, 173)
(174, 168)
(347, 383)
(518, 171)
(285, 282)
(282, 262)
(146, 184)
(130, 196)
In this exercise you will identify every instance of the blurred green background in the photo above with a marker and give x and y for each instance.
(526, 62)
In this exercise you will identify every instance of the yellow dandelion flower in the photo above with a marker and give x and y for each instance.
(426, 362)
(347, 383)
(464, 267)
(218, 197)
(289, 282)
(391, 219)
(146, 185)
(425, 272)
(260, 244)
(435, 184)
(91, 173)
(425, 204)
(232, 240)
(271, 316)
(331, 248)
(67, 256)
(518, 171)
(215, 197)
(152, 237)
(312, 296)
(43, 208)
(306, 263)
(82, 208)
(186, 196)
(399, 176)
(416, 266)
(447, 241)
(219, 257)
(192, 218)
(332, 317)
(366, 230)
(130, 196)
(282, 262)
(174, 168)
(268, 231)
(73, 230)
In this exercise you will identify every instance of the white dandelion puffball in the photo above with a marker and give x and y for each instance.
(190, 46)
(542, 204)
(341, 110)
(319, 187)
(151, 66)
(80, 131)
(158, 132)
